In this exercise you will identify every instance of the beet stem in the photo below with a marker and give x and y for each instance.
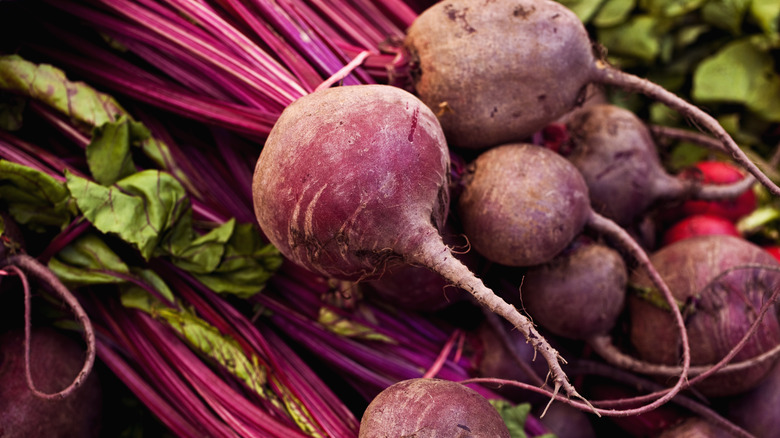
(612, 229)
(604, 347)
(609, 75)
(438, 257)
(21, 263)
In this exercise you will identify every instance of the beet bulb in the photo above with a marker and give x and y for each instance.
(719, 281)
(355, 179)
(526, 64)
(578, 294)
(55, 361)
(429, 408)
(615, 152)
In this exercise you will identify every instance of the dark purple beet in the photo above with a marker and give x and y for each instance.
(616, 154)
(722, 303)
(429, 408)
(496, 72)
(522, 204)
(578, 294)
(756, 410)
(56, 359)
(695, 427)
(354, 179)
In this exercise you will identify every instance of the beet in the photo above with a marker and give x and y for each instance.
(355, 179)
(616, 154)
(755, 410)
(56, 359)
(578, 294)
(721, 303)
(526, 63)
(695, 427)
(431, 408)
(522, 204)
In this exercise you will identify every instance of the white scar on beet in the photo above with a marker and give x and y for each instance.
(308, 216)
(343, 245)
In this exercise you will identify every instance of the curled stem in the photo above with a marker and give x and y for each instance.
(22, 265)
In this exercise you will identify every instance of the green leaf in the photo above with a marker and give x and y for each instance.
(344, 327)
(199, 254)
(108, 153)
(246, 266)
(48, 84)
(740, 73)
(613, 12)
(203, 337)
(514, 417)
(639, 37)
(726, 14)
(671, 8)
(88, 260)
(584, 9)
(767, 14)
(34, 198)
(139, 208)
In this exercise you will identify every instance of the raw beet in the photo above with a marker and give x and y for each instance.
(522, 204)
(345, 160)
(721, 301)
(578, 294)
(756, 410)
(56, 359)
(355, 179)
(695, 427)
(616, 154)
(429, 408)
(511, 54)
(498, 71)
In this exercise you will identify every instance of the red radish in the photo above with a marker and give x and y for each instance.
(699, 225)
(616, 154)
(55, 361)
(496, 72)
(774, 251)
(354, 179)
(718, 172)
(431, 408)
(722, 301)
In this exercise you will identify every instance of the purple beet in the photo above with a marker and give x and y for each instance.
(353, 180)
(56, 359)
(497, 71)
(578, 294)
(721, 302)
(431, 408)
(616, 154)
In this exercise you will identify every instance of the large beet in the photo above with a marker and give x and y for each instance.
(355, 179)
(431, 408)
(56, 359)
(722, 302)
